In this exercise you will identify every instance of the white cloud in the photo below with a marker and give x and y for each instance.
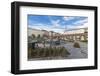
(78, 24)
(55, 23)
(81, 22)
(41, 27)
(76, 27)
(50, 28)
(66, 18)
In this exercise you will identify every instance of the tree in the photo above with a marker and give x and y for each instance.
(38, 36)
(51, 39)
(44, 39)
(30, 38)
(33, 36)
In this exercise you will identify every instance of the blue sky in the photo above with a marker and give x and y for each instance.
(56, 23)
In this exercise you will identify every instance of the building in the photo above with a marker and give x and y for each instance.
(80, 34)
(35, 32)
(45, 33)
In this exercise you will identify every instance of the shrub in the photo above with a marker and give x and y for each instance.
(76, 45)
(48, 52)
(29, 52)
(64, 52)
(84, 41)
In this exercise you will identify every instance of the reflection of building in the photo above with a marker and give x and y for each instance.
(76, 34)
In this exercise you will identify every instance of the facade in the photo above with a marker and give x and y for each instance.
(45, 33)
(80, 34)
(35, 32)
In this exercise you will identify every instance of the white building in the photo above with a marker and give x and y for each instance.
(76, 31)
(70, 35)
(76, 34)
(35, 32)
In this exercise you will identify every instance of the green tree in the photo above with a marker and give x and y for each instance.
(44, 39)
(33, 36)
(51, 38)
(38, 36)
